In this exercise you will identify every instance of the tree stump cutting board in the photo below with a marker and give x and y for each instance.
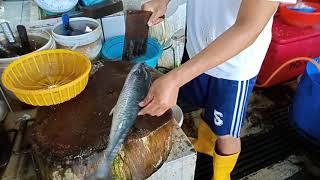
(68, 139)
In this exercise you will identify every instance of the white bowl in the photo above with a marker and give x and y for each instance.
(177, 114)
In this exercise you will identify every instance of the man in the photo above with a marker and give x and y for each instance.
(227, 41)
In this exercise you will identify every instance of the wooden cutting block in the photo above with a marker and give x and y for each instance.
(68, 139)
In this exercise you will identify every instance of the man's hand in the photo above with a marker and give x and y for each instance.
(162, 96)
(158, 9)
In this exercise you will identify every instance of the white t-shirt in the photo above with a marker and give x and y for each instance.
(208, 19)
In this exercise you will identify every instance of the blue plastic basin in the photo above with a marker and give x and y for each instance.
(112, 50)
(306, 104)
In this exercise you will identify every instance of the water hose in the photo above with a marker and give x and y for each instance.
(284, 65)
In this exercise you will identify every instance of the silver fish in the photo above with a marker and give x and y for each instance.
(125, 113)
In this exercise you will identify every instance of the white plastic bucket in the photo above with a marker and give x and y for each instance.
(4, 62)
(89, 44)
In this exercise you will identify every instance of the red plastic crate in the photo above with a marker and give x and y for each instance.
(288, 42)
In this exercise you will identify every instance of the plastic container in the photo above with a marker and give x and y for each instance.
(315, 1)
(113, 49)
(47, 77)
(300, 19)
(4, 62)
(89, 44)
(287, 43)
(302, 7)
(305, 10)
(90, 2)
(305, 110)
(57, 7)
(101, 10)
(177, 114)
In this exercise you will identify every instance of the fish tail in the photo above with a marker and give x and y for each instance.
(103, 170)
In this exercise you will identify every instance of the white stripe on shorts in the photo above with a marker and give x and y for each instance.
(241, 103)
(239, 107)
(235, 107)
(243, 109)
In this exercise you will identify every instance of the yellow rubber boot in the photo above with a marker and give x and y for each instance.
(206, 139)
(223, 166)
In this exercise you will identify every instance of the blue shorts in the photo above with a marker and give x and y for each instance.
(224, 101)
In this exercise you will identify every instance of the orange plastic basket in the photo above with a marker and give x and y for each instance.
(300, 19)
(47, 77)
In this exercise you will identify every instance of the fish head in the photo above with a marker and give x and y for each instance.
(141, 70)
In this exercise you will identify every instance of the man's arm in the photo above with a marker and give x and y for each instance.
(252, 18)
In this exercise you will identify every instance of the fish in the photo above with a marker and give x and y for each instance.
(124, 114)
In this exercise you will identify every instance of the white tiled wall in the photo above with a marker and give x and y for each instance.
(173, 26)
(113, 26)
(18, 12)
